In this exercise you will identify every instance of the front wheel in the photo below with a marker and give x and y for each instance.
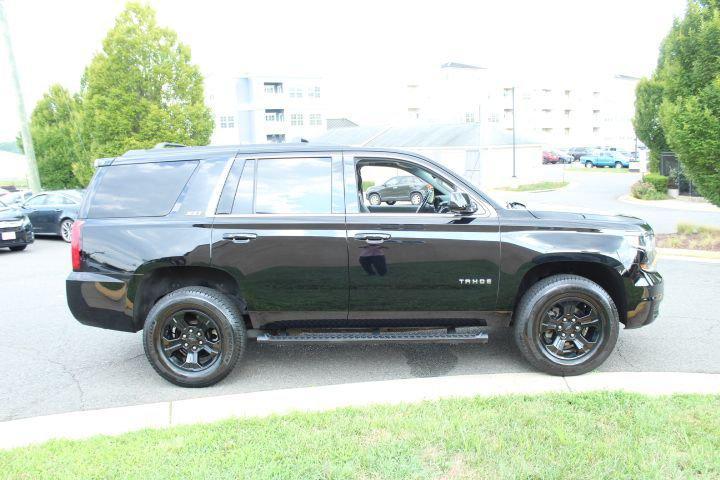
(374, 199)
(194, 336)
(589, 165)
(618, 165)
(416, 198)
(66, 230)
(566, 325)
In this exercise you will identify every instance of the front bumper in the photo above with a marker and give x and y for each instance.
(644, 297)
(100, 301)
(23, 236)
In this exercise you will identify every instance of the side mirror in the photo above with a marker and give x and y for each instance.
(460, 203)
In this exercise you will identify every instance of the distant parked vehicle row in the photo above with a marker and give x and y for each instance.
(53, 212)
(556, 156)
(605, 158)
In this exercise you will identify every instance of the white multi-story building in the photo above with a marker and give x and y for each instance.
(265, 108)
(557, 111)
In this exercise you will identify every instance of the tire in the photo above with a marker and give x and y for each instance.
(374, 199)
(390, 202)
(18, 248)
(589, 165)
(66, 230)
(229, 333)
(530, 315)
(618, 165)
(416, 198)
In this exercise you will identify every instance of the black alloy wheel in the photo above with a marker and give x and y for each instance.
(194, 336)
(566, 325)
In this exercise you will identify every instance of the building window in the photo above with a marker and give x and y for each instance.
(546, 91)
(314, 92)
(296, 92)
(273, 88)
(315, 119)
(567, 113)
(296, 119)
(508, 114)
(596, 130)
(276, 115)
(227, 121)
(507, 92)
(596, 94)
(567, 93)
(469, 117)
(547, 130)
(567, 132)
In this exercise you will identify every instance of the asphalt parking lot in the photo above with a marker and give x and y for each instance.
(53, 364)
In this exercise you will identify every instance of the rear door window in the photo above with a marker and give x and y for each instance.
(140, 190)
(293, 185)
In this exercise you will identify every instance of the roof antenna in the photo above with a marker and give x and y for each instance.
(169, 145)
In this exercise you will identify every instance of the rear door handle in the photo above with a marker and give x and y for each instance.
(239, 237)
(373, 238)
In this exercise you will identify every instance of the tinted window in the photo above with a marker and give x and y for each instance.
(37, 201)
(140, 190)
(297, 185)
(244, 194)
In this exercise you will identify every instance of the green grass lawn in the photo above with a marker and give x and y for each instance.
(533, 187)
(593, 435)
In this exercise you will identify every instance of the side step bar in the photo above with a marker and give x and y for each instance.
(376, 337)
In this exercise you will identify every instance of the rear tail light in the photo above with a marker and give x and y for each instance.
(76, 244)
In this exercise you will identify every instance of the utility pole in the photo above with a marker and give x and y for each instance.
(33, 176)
(513, 128)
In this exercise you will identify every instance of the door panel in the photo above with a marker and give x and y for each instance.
(291, 263)
(416, 266)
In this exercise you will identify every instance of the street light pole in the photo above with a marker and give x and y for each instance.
(513, 128)
(33, 176)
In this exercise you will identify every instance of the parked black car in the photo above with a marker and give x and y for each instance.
(578, 152)
(15, 228)
(401, 188)
(204, 248)
(53, 212)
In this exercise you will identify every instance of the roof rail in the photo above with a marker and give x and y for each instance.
(168, 145)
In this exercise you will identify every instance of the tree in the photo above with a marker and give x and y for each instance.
(690, 112)
(648, 98)
(56, 133)
(141, 90)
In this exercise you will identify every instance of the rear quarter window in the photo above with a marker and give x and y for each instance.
(140, 190)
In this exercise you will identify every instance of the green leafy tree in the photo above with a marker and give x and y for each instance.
(687, 82)
(648, 98)
(57, 137)
(141, 90)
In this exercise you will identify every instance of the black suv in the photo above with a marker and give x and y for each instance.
(204, 248)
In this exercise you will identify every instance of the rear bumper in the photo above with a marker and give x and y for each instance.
(100, 301)
(645, 296)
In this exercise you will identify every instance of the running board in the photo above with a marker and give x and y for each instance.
(372, 337)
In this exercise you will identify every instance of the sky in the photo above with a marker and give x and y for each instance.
(364, 49)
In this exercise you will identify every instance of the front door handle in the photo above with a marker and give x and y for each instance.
(239, 237)
(373, 238)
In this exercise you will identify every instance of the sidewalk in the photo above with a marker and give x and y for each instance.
(114, 421)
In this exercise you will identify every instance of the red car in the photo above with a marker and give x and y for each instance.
(550, 157)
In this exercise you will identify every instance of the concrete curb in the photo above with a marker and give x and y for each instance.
(114, 421)
(671, 204)
(686, 254)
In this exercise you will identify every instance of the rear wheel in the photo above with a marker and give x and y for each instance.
(374, 199)
(194, 336)
(66, 230)
(566, 325)
(19, 248)
(416, 198)
(618, 165)
(589, 165)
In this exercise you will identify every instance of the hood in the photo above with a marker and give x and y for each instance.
(593, 219)
(11, 213)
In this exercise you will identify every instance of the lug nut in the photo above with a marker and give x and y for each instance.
(184, 336)
(186, 344)
(572, 335)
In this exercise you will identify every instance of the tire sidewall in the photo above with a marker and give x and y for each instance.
(375, 195)
(526, 327)
(416, 195)
(67, 220)
(231, 346)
